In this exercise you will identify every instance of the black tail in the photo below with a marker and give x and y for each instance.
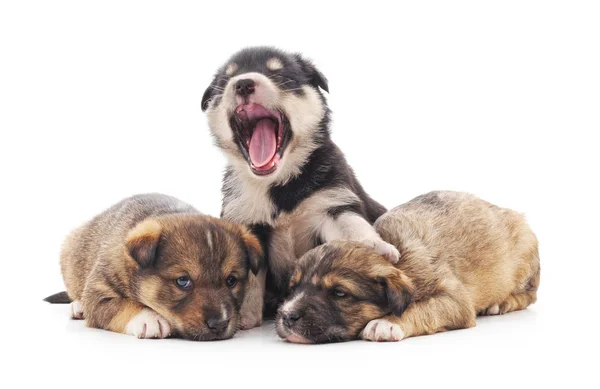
(58, 298)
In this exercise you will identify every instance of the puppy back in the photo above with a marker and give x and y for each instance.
(458, 233)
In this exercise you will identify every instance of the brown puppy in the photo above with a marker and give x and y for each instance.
(460, 256)
(152, 265)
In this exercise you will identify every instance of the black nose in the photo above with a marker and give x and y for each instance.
(217, 325)
(245, 87)
(290, 318)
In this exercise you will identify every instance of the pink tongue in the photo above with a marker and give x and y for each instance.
(263, 143)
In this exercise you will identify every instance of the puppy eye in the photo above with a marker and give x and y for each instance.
(231, 281)
(339, 293)
(184, 283)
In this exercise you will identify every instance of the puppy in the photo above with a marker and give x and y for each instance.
(461, 256)
(151, 266)
(285, 176)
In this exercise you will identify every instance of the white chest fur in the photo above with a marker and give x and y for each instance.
(247, 201)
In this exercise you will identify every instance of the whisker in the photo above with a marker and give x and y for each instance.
(278, 75)
(285, 82)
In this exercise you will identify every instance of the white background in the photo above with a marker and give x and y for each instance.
(501, 99)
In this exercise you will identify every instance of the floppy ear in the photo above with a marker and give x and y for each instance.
(256, 256)
(142, 242)
(398, 289)
(209, 93)
(315, 77)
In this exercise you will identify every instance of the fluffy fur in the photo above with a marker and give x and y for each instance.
(152, 266)
(307, 193)
(461, 257)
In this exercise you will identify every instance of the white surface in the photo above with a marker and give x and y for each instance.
(101, 101)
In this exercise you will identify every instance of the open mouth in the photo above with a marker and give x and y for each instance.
(262, 135)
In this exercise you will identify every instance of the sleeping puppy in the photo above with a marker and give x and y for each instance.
(152, 266)
(285, 177)
(461, 257)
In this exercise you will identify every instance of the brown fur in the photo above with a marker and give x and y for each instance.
(128, 258)
(460, 256)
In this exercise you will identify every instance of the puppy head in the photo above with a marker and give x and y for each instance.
(336, 289)
(266, 111)
(192, 270)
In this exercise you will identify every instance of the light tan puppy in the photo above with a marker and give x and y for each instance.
(460, 257)
(152, 266)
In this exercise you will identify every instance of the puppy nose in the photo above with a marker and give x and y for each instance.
(290, 318)
(217, 325)
(245, 87)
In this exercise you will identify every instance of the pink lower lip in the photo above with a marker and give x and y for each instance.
(293, 338)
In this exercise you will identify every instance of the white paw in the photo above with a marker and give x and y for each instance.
(382, 330)
(148, 324)
(384, 248)
(493, 310)
(76, 310)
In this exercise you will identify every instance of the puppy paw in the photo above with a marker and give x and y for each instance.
(148, 325)
(384, 248)
(382, 330)
(76, 310)
(250, 320)
(493, 310)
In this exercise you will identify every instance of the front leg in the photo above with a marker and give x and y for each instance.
(436, 314)
(351, 226)
(251, 312)
(106, 310)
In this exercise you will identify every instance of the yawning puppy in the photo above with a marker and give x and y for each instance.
(151, 266)
(285, 177)
(461, 256)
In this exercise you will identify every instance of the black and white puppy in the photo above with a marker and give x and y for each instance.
(285, 176)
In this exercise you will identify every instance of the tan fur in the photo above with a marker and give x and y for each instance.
(332, 281)
(128, 310)
(274, 63)
(144, 233)
(232, 67)
(463, 255)
(251, 310)
(102, 265)
(460, 257)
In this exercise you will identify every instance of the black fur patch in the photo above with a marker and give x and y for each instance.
(262, 232)
(58, 298)
(337, 211)
(326, 168)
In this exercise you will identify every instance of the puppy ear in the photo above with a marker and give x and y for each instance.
(398, 289)
(142, 242)
(315, 77)
(256, 256)
(209, 93)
